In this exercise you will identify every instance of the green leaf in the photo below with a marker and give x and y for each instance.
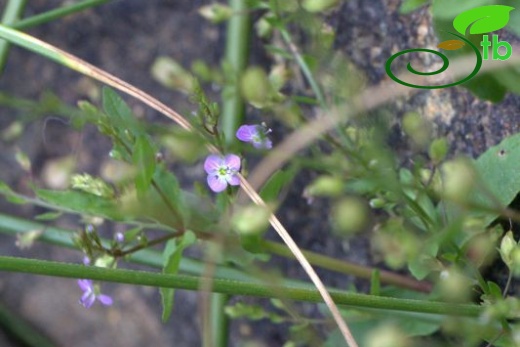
(171, 260)
(509, 78)
(171, 192)
(81, 202)
(411, 5)
(143, 156)
(10, 195)
(499, 170)
(494, 290)
(483, 19)
(119, 112)
(48, 216)
(487, 86)
(274, 185)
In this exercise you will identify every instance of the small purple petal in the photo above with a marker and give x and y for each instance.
(85, 285)
(88, 300)
(263, 144)
(233, 162)
(212, 163)
(233, 180)
(120, 237)
(246, 132)
(105, 299)
(216, 183)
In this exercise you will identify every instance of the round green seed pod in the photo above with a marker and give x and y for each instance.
(350, 215)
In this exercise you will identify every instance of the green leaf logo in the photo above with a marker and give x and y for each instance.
(482, 19)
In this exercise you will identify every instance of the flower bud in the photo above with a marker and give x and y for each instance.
(387, 336)
(105, 261)
(350, 215)
(325, 186)
(171, 74)
(507, 246)
(417, 128)
(255, 86)
(216, 13)
(515, 261)
(13, 131)
(454, 286)
(438, 150)
(263, 26)
(251, 220)
(25, 240)
(377, 203)
(278, 76)
(458, 179)
(434, 183)
(23, 160)
(315, 6)
(327, 36)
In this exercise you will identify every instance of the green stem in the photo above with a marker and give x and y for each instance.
(57, 13)
(236, 57)
(312, 82)
(12, 13)
(304, 67)
(233, 287)
(349, 268)
(21, 330)
(64, 238)
(219, 320)
(12, 225)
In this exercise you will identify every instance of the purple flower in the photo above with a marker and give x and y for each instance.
(256, 135)
(91, 293)
(119, 237)
(222, 171)
(86, 260)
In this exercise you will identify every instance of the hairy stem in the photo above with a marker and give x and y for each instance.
(154, 279)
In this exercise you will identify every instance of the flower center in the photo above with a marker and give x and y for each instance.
(224, 171)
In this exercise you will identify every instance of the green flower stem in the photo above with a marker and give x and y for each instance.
(232, 287)
(62, 237)
(236, 57)
(350, 268)
(304, 67)
(57, 13)
(219, 320)
(21, 330)
(312, 82)
(13, 11)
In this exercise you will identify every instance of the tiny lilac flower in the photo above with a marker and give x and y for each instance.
(256, 135)
(222, 171)
(119, 237)
(91, 293)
